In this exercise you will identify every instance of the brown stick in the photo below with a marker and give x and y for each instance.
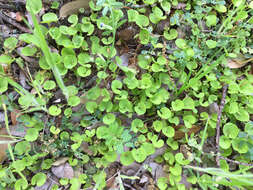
(236, 162)
(14, 23)
(222, 103)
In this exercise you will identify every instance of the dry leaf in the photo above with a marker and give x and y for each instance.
(63, 171)
(73, 7)
(14, 115)
(180, 134)
(235, 63)
(19, 17)
(60, 161)
(238, 62)
(3, 147)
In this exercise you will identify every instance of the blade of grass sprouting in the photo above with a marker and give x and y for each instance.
(48, 55)
(26, 93)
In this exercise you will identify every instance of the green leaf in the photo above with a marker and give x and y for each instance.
(225, 142)
(179, 157)
(230, 130)
(54, 110)
(136, 125)
(140, 108)
(28, 51)
(144, 36)
(6, 59)
(21, 184)
(54, 130)
(139, 154)
(70, 61)
(91, 106)
(166, 6)
(49, 85)
(54, 33)
(164, 113)
(19, 165)
(158, 125)
(3, 85)
(240, 145)
(211, 20)
(181, 43)
(111, 156)
(10, 43)
(211, 44)
(74, 101)
(221, 8)
(83, 71)
(176, 170)
(242, 115)
(188, 103)
(22, 147)
(171, 35)
(49, 17)
(126, 158)
(125, 106)
(73, 19)
(39, 179)
(34, 6)
(31, 134)
(177, 105)
(168, 131)
(109, 118)
(116, 85)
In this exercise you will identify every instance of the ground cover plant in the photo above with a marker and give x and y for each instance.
(134, 94)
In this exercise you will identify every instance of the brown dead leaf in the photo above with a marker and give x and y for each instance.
(180, 134)
(19, 16)
(127, 33)
(3, 147)
(14, 115)
(60, 161)
(4, 141)
(63, 171)
(235, 63)
(73, 7)
(238, 62)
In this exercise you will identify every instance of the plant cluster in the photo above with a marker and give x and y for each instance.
(171, 85)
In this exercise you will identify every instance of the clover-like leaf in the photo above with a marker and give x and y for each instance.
(211, 20)
(28, 51)
(240, 145)
(49, 17)
(168, 131)
(211, 44)
(31, 134)
(39, 179)
(177, 105)
(181, 43)
(139, 154)
(74, 101)
(164, 113)
(11, 43)
(116, 85)
(225, 142)
(171, 35)
(109, 118)
(49, 85)
(54, 110)
(126, 158)
(230, 130)
(91, 106)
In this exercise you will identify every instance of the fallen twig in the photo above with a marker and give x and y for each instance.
(14, 23)
(236, 162)
(222, 103)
